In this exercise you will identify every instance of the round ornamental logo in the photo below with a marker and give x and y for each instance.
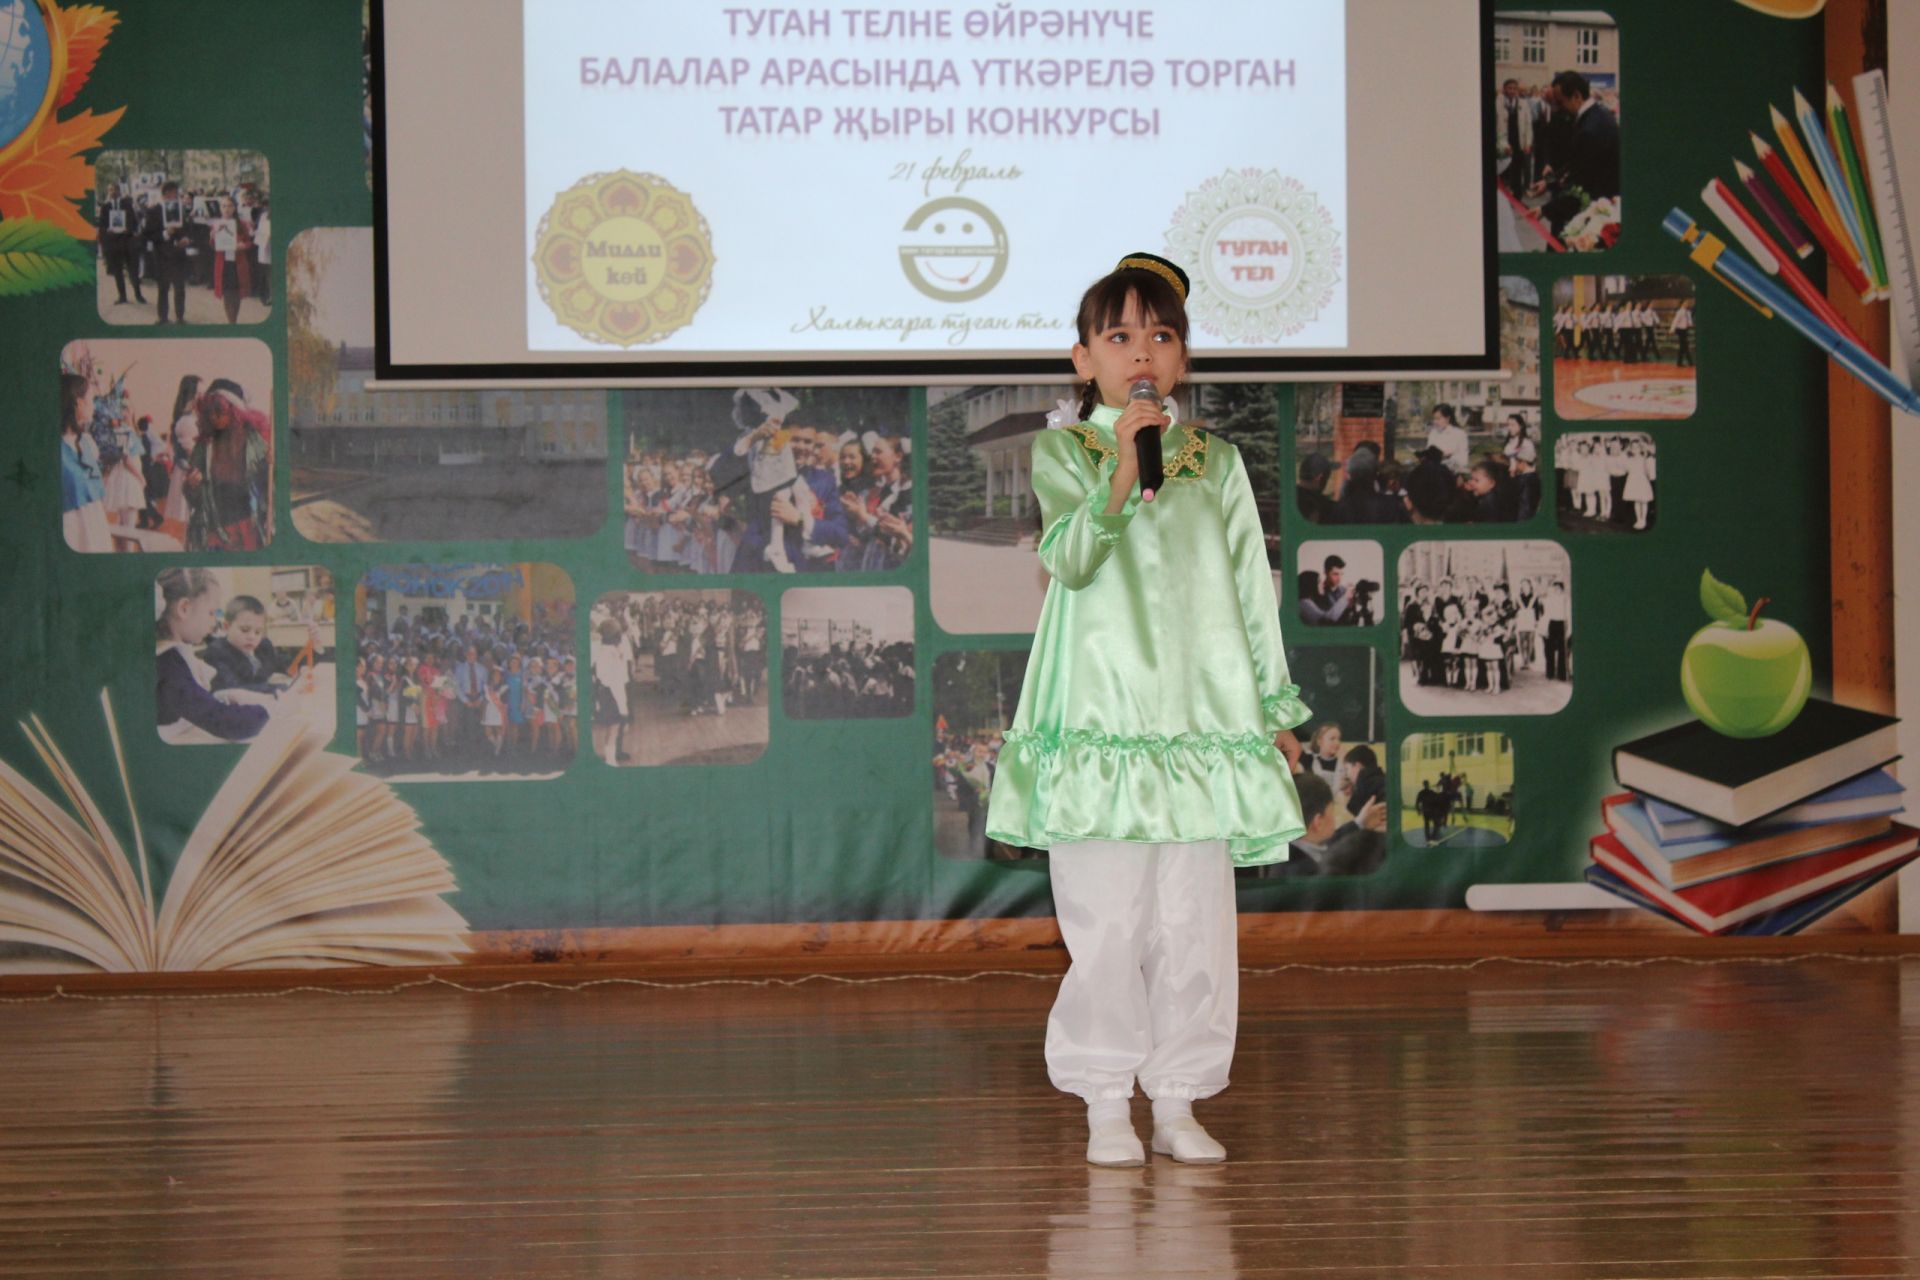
(623, 258)
(1267, 253)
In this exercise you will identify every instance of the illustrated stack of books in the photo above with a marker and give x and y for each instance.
(1755, 836)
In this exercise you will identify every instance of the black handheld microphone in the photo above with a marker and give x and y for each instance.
(1146, 442)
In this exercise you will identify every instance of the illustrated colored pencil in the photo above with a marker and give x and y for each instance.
(1778, 214)
(1829, 166)
(1837, 256)
(1810, 180)
(1842, 130)
(1712, 256)
(1771, 258)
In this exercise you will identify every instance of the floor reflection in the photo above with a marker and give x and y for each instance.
(1727, 1120)
(1168, 1219)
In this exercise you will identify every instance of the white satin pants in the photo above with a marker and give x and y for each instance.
(1153, 993)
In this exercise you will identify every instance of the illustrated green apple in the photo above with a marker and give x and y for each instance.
(1744, 677)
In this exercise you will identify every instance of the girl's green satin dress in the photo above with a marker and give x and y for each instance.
(1158, 677)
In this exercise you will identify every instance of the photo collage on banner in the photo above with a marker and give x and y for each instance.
(189, 234)
(768, 480)
(679, 677)
(478, 577)
(1458, 452)
(1341, 775)
(417, 466)
(1556, 122)
(1623, 348)
(166, 444)
(1456, 790)
(1481, 627)
(1486, 628)
(1605, 481)
(975, 692)
(465, 672)
(235, 648)
(1338, 584)
(846, 653)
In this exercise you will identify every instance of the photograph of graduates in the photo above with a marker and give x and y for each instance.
(466, 671)
(1414, 453)
(166, 444)
(983, 520)
(679, 677)
(1623, 347)
(767, 480)
(1486, 628)
(846, 653)
(974, 695)
(1340, 768)
(421, 466)
(1338, 584)
(1556, 130)
(1606, 481)
(1456, 790)
(188, 234)
(237, 647)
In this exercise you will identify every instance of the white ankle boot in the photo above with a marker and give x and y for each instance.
(1111, 1141)
(1176, 1133)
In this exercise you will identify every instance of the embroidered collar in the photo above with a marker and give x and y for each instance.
(1096, 437)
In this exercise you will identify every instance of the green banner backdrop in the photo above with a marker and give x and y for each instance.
(808, 808)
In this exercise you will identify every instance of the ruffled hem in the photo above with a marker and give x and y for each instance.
(1069, 785)
(1284, 710)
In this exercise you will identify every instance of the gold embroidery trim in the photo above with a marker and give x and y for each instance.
(1091, 442)
(1191, 461)
(1160, 269)
(1188, 464)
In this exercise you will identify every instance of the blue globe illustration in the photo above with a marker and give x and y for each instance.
(26, 62)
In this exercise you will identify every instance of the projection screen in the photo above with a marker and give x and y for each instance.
(620, 192)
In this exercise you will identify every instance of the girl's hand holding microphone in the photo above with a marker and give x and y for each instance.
(1138, 416)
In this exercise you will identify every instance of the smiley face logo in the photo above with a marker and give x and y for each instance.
(953, 249)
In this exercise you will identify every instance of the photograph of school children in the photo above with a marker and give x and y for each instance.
(421, 466)
(166, 444)
(975, 693)
(1623, 348)
(1338, 584)
(466, 671)
(679, 677)
(1486, 628)
(1414, 453)
(1556, 130)
(188, 234)
(1605, 481)
(846, 653)
(237, 647)
(1456, 790)
(767, 480)
(1340, 770)
(983, 520)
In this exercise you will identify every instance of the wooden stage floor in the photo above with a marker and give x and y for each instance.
(1737, 1119)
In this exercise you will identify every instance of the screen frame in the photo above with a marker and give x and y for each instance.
(903, 370)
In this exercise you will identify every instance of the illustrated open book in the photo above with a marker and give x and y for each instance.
(298, 863)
